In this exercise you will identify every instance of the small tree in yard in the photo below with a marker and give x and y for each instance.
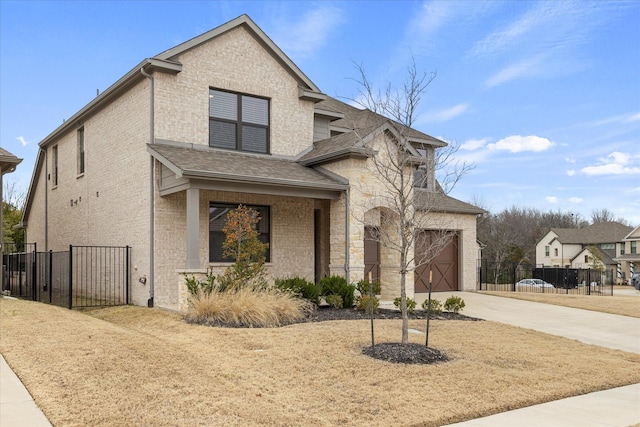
(243, 246)
(405, 185)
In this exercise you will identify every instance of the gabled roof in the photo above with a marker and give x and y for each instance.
(601, 232)
(356, 118)
(174, 53)
(634, 234)
(168, 62)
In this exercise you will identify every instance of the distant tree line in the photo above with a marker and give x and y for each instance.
(510, 236)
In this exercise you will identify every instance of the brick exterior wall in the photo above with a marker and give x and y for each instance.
(233, 61)
(109, 204)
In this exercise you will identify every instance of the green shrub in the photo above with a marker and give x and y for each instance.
(338, 285)
(364, 287)
(301, 287)
(411, 304)
(205, 286)
(436, 306)
(334, 301)
(454, 303)
(367, 303)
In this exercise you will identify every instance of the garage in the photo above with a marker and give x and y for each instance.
(444, 266)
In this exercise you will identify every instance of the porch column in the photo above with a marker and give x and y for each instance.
(193, 228)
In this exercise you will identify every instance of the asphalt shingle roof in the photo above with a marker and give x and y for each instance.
(437, 201)
(203, 162)
(601, 232)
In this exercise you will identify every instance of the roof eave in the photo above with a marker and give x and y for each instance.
(150, 65)
(197, 174)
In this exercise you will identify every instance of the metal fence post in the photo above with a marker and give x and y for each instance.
(34, 270)
(49, 271)
(127, 273)
(70, 277)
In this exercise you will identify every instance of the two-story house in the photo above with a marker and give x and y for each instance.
(158, 159)
(575, 247)
(628, 254)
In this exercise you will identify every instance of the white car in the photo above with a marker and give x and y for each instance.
(534, 283)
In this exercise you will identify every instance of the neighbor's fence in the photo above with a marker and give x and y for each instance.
(580, 281)
(83, 276)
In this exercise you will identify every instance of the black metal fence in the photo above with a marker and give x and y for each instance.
(511, 277)
(83, 276)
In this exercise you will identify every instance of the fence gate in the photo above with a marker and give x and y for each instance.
(83, 276)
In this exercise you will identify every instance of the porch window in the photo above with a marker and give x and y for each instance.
(217, 220)
(238, 122)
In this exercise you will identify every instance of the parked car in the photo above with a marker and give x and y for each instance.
(534, 283)
(635, 280)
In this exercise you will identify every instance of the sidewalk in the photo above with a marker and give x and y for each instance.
(17, 408)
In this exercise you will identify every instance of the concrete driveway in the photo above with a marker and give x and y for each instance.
(589, 327)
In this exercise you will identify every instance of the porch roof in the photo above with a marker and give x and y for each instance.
(197, 166)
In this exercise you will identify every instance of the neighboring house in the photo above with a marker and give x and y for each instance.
(628, 254)
(158, 159)
(574, 247)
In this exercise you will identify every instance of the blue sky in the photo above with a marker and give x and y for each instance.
(543, 97)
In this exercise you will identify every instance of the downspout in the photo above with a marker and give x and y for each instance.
(151, 189)
(347, 240)
(46, 201)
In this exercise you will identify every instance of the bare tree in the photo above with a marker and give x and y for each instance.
(403, 163)
(605, 215)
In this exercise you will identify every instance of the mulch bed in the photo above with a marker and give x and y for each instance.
(324, 313)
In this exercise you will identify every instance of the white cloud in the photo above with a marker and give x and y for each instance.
(551, 199)
(621, 118)
(525, 68)
(571, 172)
(576, 199)
(518, 143)
(474, 144)
(444, 115)
(23, 141)
(308, 32)
(570, 160)
(616, 163)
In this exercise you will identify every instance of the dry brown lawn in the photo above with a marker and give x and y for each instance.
(133, 366)
(613, 304)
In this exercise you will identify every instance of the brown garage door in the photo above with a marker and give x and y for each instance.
(444, 266)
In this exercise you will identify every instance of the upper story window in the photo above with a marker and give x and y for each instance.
(546, 251)
(634, 247)
(54, 165)
(555, 251)
(608, 246)
(80, 160)
(238, 122)
(622, 249)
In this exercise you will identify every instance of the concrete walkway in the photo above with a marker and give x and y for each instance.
(618, 407)
(17, 408)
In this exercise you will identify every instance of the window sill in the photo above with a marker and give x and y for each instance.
(80, 175)
(229, 264)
